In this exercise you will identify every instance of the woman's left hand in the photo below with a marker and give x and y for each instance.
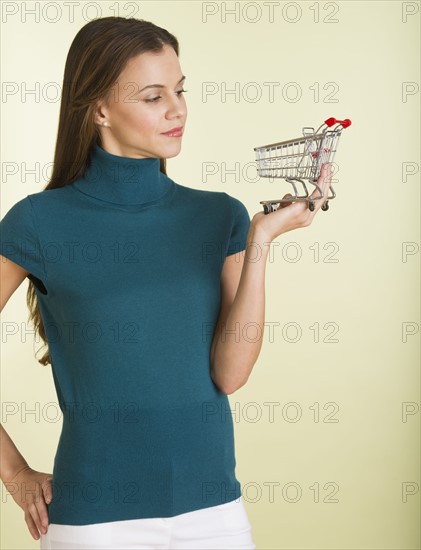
(293, 215)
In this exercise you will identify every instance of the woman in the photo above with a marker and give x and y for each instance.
(140, 287)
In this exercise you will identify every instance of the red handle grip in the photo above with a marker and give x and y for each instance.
(345, 123)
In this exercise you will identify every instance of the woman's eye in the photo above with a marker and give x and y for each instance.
(154, 99)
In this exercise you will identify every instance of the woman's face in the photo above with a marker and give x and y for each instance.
(136, 117)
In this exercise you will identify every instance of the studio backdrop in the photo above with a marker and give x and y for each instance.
(327, 426)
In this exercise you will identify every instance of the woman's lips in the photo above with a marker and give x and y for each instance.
(175, 132)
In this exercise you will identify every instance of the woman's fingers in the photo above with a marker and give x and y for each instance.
(38, 508)
(326, 180)
(48, 489)
(323, 182)
(284, 204)
(34, 521)
(31, 526)
(34, 509)
(41, 502)
(294, 214)
(42, 513)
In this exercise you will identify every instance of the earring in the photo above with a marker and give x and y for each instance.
(105, 123)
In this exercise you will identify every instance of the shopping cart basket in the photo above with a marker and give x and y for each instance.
(300, 159)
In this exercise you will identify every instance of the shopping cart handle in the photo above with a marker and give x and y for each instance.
(331, 121)
(345, 123)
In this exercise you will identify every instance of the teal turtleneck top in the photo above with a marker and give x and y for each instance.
(126, 264)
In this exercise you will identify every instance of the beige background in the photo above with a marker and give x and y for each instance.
(337, 451)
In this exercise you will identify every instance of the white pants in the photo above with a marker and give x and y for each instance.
(223, 526)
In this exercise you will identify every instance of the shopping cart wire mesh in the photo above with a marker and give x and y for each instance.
(300, 160)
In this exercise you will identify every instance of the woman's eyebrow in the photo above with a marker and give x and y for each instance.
(160, 85)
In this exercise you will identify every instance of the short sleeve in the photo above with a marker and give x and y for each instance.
(19, 238)
(239, 228)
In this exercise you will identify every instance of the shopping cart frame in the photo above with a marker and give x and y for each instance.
(300, 159)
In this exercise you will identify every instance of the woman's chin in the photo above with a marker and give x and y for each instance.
(170, 151)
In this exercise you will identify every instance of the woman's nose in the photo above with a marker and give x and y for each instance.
(177, 107)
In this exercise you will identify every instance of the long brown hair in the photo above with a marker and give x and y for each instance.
(97, 56)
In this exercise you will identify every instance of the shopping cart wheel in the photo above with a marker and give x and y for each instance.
(325, 206)
(311, 205)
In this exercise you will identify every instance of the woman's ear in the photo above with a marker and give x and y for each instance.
(101, 112)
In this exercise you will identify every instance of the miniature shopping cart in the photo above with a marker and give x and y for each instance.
(301, 159)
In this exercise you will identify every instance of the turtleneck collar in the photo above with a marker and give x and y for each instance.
(124, 180)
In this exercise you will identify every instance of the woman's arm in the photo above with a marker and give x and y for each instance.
(239, 333)
(11, 277)
(15, 473)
